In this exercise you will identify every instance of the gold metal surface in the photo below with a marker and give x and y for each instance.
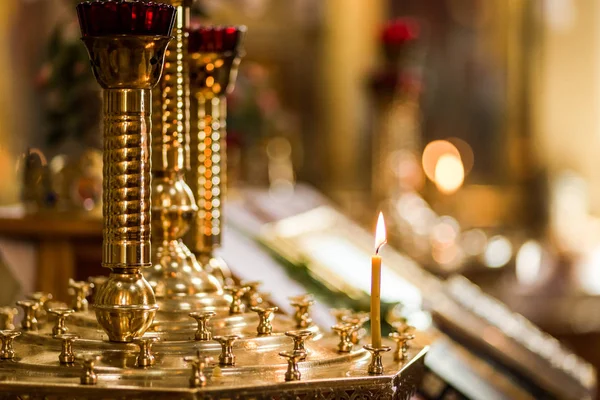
(213, 76)
(258, 370)
(177, 278)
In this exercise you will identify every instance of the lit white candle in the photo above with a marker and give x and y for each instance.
(380, 240)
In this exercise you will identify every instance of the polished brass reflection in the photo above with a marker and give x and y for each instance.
(145, 357)
(213, 76)
(265, 316)
(127, 67)
(402, 337)
(292, 357)
(7, 317)
(29, 321)
(60, 328)
(227, 358)
(345, 331)
(376, 364)
(299, 338)
(7, 351)
(88, 362)
(80, 291)
(66, 355)
(198, 379)
(302, 305)
(176, 274)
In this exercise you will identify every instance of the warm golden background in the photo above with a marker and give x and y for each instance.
(512, 85)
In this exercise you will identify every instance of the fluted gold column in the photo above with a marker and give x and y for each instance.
(126, 184)
(176, 273)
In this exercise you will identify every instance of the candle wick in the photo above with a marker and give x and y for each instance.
(379, 247)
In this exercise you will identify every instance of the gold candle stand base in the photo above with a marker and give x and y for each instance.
(376, 364)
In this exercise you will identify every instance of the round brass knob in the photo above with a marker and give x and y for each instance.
(66, 355)
(236, 307)
(7, 317)
(6, 351)
(29, 307)
(253, 298)
(88, 361)
(80, 291)
(198, 363)
(299, 338)
(402, 339)
(227, 357)
(145, 357)
(202, 318)
(302, 305)
(61, 315)
(42, 298)
(339, 313)
(265, 316)
(292, 357)
(359, 320)
(344, 331)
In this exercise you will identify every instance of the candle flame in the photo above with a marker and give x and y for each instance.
(380, 234)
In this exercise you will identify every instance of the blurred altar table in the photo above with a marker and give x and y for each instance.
(65, 245)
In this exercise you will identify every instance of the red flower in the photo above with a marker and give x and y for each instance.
(400, 31)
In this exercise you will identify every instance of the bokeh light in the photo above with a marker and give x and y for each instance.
(449, 173)
(498, 252)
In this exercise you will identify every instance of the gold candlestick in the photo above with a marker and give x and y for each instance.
(176, 274)
(215, 56)
(126, 67)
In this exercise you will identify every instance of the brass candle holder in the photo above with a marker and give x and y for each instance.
(176, 274)
(215, 54)
(126, 43)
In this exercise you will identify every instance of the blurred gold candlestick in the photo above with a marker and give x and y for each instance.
(176, 277)
(215, 54)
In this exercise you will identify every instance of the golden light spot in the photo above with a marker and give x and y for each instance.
(449, 173)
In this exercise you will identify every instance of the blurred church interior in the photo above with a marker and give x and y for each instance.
(473, 125)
